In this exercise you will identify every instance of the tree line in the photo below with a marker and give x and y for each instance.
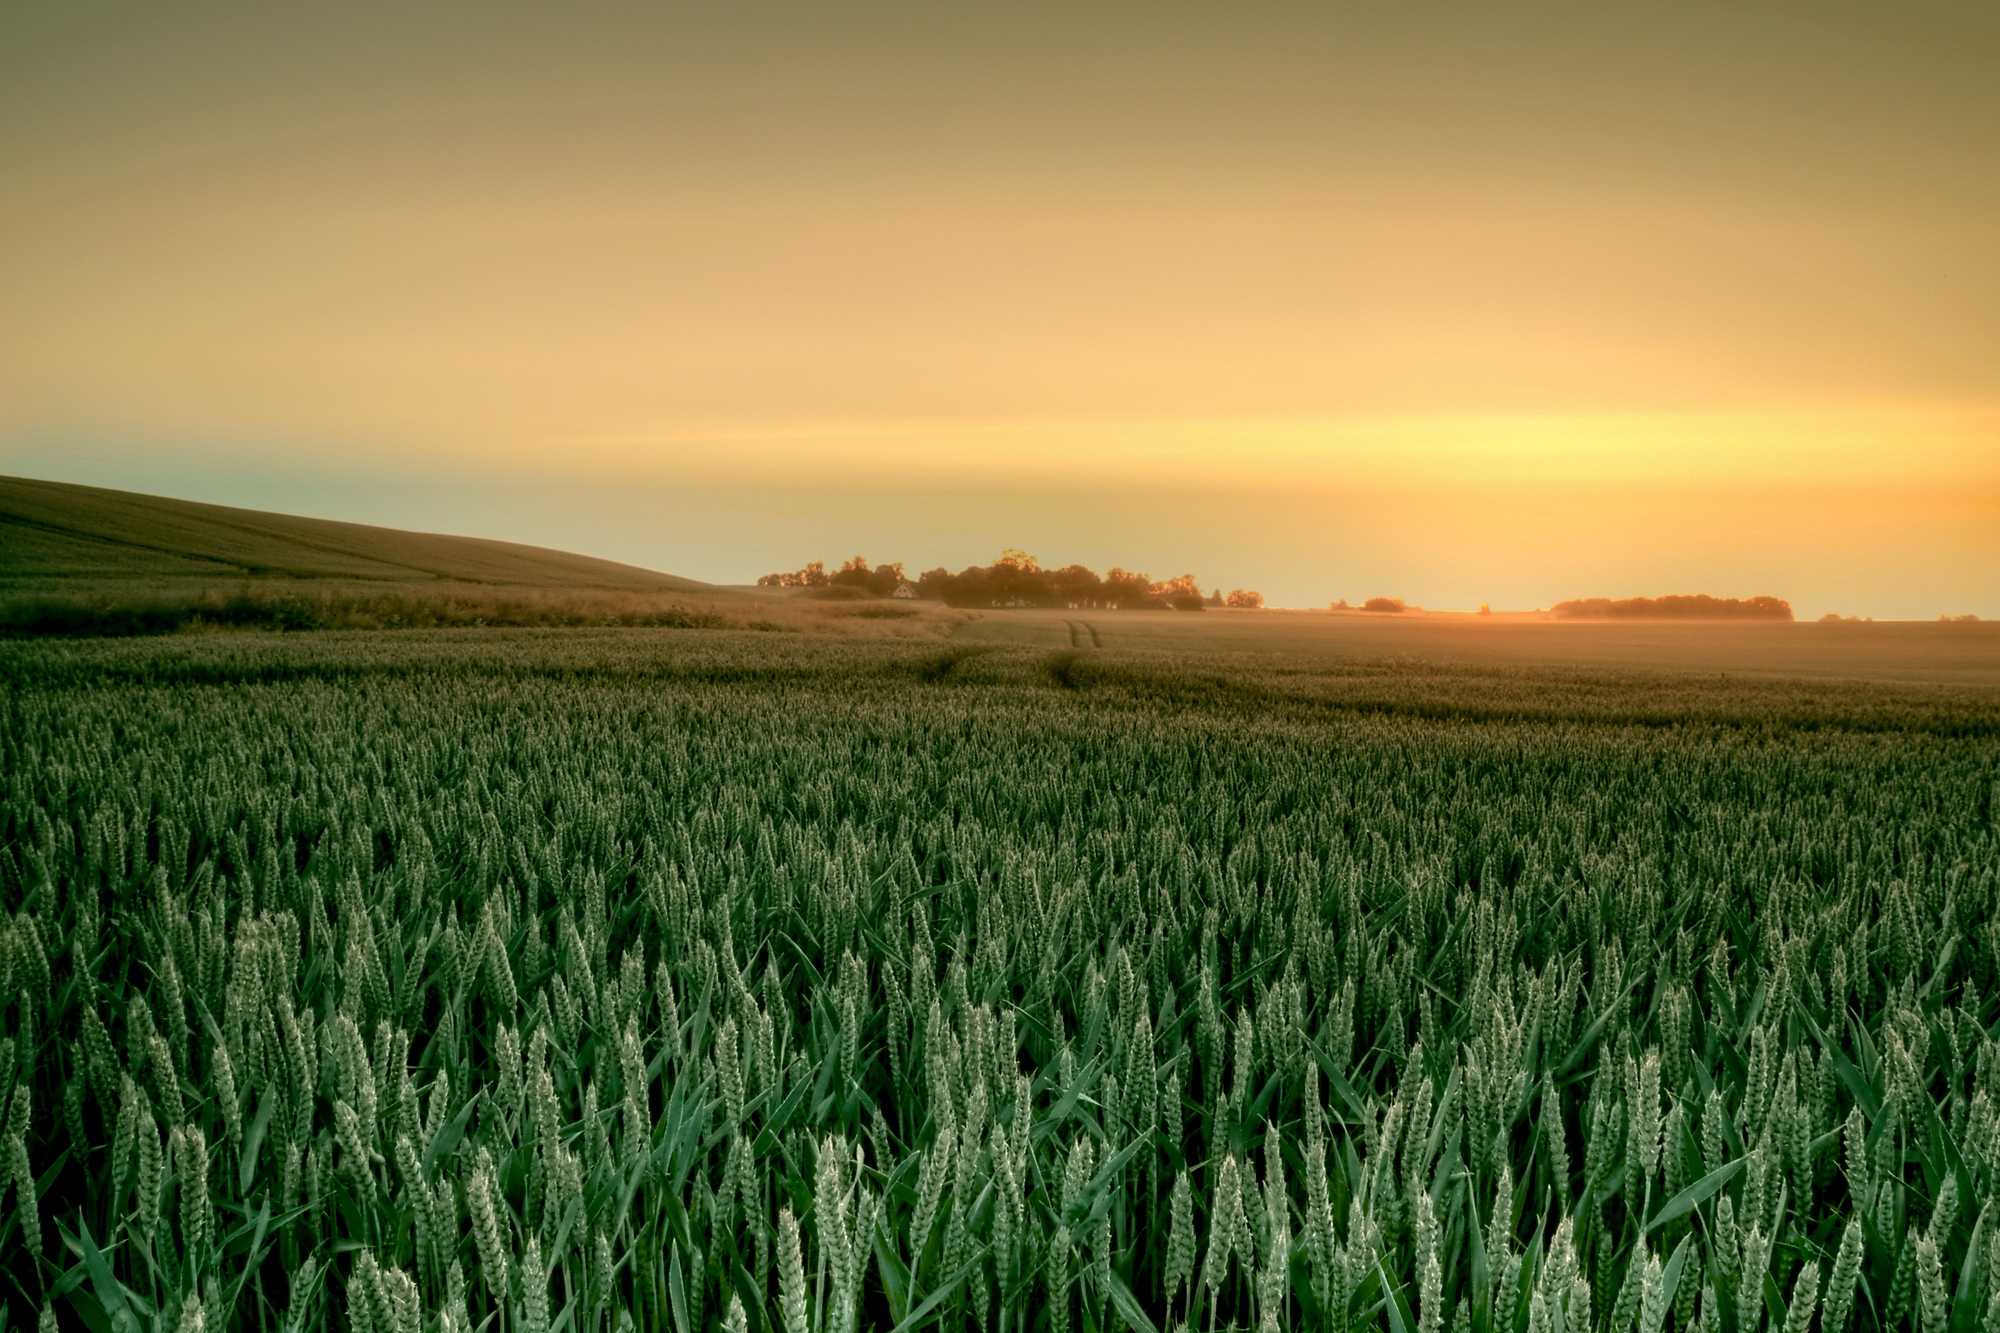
(1015, 579)
(1690, 606)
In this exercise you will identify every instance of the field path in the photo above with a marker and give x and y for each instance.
(1080, 630)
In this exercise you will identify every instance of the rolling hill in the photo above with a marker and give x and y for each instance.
(82, 560)
(54, 535)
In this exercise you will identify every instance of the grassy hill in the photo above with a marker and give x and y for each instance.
(85, 560)
(55, 535)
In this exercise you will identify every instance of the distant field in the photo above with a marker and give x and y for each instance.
(1906, 651)
(80, 560)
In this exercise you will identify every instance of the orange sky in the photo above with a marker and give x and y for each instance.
(1454, 303)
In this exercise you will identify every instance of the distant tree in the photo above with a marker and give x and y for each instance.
(1015, 579)
(879, 581)
(1246, 600)
(1076, 586)
(1182, 593)
(971, 586)
(1389, 604)
(812, 576)
(1683, 606)
(1340, 605)
(1485, 609)
(1123, 588)
(1030, 584)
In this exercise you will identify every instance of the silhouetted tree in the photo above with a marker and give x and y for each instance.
(1684, 606)
(812, 576)
(1076, 586)
(879, 581)
(1015, 579)
(1127, 590)
(1182, 593)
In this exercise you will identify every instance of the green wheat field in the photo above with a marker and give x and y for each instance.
(533, 982)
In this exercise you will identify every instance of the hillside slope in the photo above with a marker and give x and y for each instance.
(55, 535)
(84, 561)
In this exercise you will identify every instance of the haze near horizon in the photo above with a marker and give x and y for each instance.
(1449, 304)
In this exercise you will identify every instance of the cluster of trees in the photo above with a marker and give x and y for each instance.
(1018, 579)
(1694, 606)
(856, 574)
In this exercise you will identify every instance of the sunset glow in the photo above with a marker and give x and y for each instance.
(1456, 305)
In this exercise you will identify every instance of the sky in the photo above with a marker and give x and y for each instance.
(1457, 303)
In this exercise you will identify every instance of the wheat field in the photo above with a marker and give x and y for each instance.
(670, 981)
